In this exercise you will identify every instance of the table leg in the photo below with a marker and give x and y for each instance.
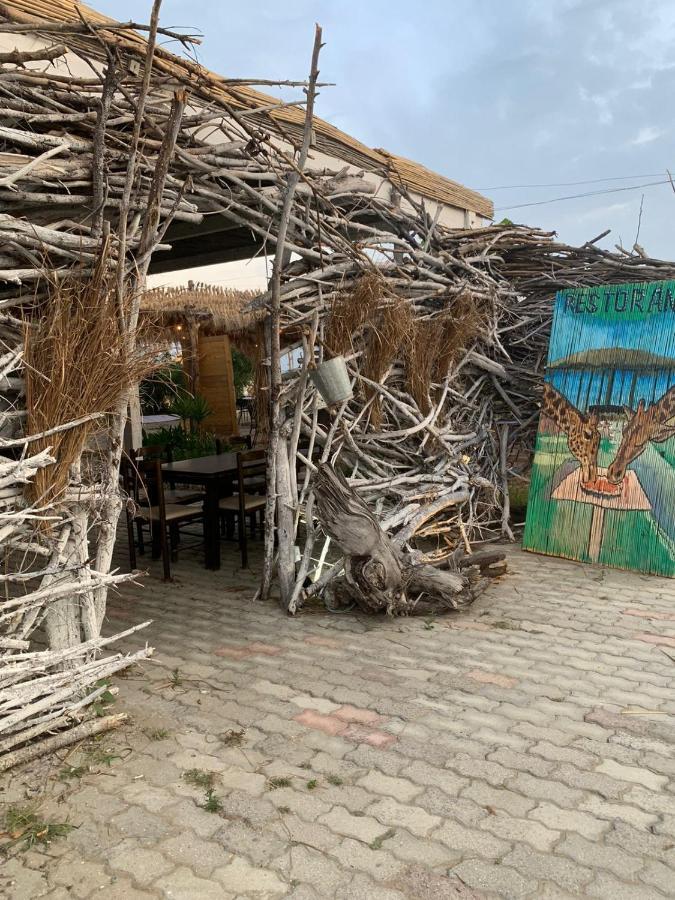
(212, 525)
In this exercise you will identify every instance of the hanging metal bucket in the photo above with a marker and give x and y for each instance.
(331, 379)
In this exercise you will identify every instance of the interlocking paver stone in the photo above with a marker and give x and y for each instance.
(471, 760)
(633, 773)
(364, 828)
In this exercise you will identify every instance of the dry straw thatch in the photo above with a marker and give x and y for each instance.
(78, 367)
(218, 310)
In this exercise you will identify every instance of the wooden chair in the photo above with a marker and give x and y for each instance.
(163, 452)
(251, 469)
(145, 487)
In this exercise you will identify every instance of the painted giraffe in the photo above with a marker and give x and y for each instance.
(582, 431)
(655, 422)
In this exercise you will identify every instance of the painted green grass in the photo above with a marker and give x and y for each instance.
(631, 539)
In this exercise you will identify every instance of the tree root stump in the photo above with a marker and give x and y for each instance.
(378, 577)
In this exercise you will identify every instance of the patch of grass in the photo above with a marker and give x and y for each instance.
(24, 825)
(157, 734)
(376, 844)
(200, 778)
(312, 784)
(284, 810)
(335, 780)
(211, 802)
(232, 738)
(176, 679)
(278, 782)
(101, 756)
(505, 626)
(68, 772)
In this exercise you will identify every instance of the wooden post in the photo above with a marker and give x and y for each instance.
(193, 355)
(275, 326)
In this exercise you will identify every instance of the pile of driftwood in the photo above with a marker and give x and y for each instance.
(107, 139)
(445, 340)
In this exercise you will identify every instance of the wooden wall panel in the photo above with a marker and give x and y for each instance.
(216, 384)
(603, 481)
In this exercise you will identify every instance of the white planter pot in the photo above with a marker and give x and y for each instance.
(331, 379)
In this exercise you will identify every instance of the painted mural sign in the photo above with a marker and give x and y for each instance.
(603, 481)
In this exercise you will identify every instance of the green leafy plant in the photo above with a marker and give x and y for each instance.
(183, 444)
(157, 734)
(192, 408)
(25, 825)
(212, 803)
(176, 679)
(243, 371)
(312, 784)
(102, 703)
(335, 780)
(158, 392)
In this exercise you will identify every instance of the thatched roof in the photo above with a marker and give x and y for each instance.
(218, 310)
(216, 89)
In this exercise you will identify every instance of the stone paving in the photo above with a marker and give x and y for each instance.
(523, 748)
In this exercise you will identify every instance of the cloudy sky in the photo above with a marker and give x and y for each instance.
(490, 93)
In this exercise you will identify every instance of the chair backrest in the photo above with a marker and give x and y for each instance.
(239, 442)
(143, 482)
(251, 465)
(161, 451)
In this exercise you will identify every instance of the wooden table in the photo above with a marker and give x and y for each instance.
(216, 474)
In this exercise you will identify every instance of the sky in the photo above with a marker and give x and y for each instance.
(499, 96)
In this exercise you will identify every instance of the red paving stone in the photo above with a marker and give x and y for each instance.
(361, 735)
(359, 716)
(267, 649)
(317, 641)
(320, 722)
(483, 677)
(653, 614)
(661, 639)
(233, 652)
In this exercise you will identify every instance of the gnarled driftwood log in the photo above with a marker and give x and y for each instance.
(378, 577)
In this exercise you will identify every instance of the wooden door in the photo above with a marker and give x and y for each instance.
(216, 384)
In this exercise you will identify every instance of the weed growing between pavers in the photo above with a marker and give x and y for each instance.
(102, 756)
(376, 843)
(200, 778)
(69, 772)
(23, 825)
(211, 803)
(156, 734)
(278, 782)
(312, 784)
(335, 780)
(232, 738)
